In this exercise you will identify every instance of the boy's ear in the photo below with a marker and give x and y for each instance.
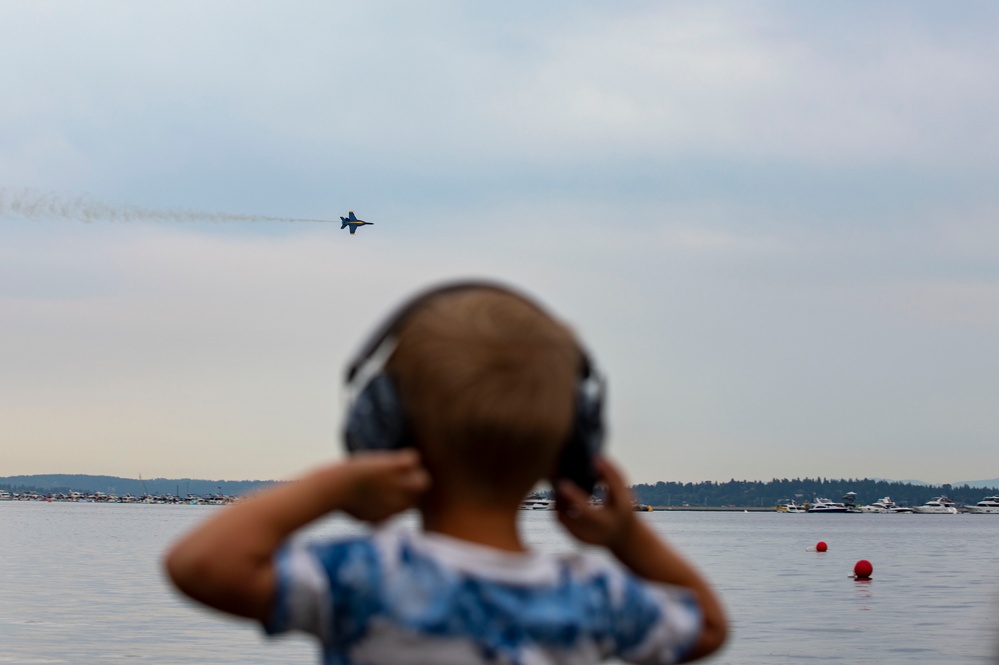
(376, 419)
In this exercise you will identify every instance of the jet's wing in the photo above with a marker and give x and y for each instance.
(350, 216)
(352, 229)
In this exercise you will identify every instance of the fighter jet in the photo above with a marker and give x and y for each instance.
(353, 222)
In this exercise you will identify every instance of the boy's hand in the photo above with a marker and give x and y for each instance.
(637, 546)
(228, 561)
(380, 484)
(608, 526)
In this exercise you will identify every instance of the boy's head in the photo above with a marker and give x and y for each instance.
(488, 383)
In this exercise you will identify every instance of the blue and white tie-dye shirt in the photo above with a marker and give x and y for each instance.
(400, 598)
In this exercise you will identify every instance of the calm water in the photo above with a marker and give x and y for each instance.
(81, 583)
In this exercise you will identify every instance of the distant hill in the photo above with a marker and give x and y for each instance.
(970, 483)
(65, 482)
(980, 483)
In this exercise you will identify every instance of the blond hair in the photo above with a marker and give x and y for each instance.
(488, 381)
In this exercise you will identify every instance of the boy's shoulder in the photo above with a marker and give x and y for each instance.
(414, 568)
(395, 550)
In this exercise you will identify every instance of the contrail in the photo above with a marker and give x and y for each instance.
(35, 205)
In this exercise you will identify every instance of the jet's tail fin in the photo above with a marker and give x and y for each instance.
(345, 222)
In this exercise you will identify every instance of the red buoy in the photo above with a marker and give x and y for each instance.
(821, 546)
(862, 569)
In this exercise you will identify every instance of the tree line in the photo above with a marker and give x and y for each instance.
(745, 493)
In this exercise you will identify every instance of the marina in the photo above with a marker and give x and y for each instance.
(102, 497)
(937, 506)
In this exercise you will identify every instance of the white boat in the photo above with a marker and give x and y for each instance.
(821, 505)
(987, 506)
(5, 495)
(537, 503)
(940, 505)
(885, 505)
(790, 507)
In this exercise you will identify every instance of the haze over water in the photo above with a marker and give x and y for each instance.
(81, 583)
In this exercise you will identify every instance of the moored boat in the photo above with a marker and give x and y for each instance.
(790, 507)
(821, 505)
(940, 505)
(537, 503)
(885, 505)
(987, 506)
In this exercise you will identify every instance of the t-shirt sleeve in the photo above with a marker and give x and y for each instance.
(651, 623)
(302, 591)
(672, 635)
(328, 589)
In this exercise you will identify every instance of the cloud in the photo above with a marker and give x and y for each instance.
(411, 92)
(946, 304)
(759, 86)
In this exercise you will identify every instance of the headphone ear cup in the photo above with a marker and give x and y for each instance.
(578, 457)
(376, 420)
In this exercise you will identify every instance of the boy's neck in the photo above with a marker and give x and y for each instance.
(480, 522)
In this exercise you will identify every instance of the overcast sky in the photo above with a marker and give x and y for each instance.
(774, 224)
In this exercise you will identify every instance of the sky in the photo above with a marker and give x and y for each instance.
(773, 224)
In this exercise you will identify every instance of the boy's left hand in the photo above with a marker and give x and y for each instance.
(380, 484)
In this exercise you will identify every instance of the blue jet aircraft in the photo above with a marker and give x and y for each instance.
(353, 222)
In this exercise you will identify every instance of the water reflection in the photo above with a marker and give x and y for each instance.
(864, 593)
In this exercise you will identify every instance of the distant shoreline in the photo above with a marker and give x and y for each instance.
(733, 495)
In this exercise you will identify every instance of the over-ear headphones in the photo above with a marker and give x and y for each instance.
(376, 418)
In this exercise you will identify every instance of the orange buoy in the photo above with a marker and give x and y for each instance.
(862, 569)
(821, 546)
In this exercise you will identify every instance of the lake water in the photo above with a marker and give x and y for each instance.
(81, 583)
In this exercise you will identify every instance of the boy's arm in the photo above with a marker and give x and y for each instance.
(617, 527)
(227, 562)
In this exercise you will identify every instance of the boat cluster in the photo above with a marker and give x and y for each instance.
(101, 497)
(940, 505)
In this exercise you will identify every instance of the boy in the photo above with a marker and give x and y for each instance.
(487, 384)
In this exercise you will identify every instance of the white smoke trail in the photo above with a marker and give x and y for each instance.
(37, 206)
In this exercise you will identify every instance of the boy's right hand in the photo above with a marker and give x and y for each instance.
(609, 525)
(380, 484)
(228, 561)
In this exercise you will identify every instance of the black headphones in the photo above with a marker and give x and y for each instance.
(376, 419)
